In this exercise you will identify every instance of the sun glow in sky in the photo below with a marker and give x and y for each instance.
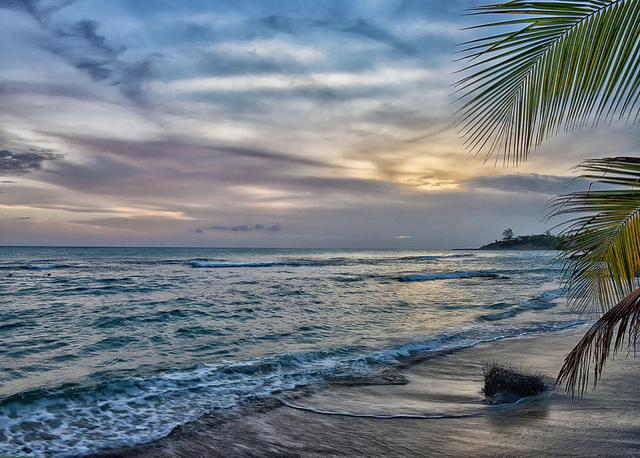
(306, 124)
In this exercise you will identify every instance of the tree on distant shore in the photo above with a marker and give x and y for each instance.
(507, 234)
(568, 64)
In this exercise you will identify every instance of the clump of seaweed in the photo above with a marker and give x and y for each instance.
(503, 378)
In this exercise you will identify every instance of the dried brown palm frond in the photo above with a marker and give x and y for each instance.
(602, 262)
(615, 329)
(602, 229)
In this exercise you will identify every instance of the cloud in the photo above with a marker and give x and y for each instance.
(527, 183)
(38, 9)
(86, 31)
(423, 28)
(89, 51)
(275, 50)
(189, 175)
(71, 208)
(385, 77)
(15, 163)
(358, 27)
(57, 89)
(242, 228)
(368, 30)
(165, 148)
(81, 44)
(331, 118)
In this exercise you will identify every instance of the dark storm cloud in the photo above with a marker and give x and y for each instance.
(15, 163)
(524, 183)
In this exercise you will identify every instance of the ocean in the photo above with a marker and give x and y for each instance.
(108, 347)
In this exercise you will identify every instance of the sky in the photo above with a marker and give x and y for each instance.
(270, 123)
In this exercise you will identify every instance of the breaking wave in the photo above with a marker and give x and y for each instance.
(447, 276)
(546, 300)
(72, 419)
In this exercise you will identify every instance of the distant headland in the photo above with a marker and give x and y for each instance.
(546, 241)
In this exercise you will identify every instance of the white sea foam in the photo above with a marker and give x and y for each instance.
(228, 265)
(112, 314)
(437, 257)
(546, 300)
(41, 266)
(73, 420)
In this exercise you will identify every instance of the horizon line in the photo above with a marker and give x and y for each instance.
(229, 247)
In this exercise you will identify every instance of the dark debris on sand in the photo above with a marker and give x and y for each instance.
(500, 378)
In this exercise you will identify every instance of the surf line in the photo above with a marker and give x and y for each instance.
(379, 416)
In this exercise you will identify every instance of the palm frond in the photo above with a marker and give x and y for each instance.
(602, 262)
(602, 254)
(593, 350)
(554, 64)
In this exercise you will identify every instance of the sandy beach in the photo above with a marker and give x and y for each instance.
(603, 423)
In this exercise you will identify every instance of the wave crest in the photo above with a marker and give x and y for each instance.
(447, 276)
(138, 409)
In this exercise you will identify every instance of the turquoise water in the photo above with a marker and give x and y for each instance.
(104, 347)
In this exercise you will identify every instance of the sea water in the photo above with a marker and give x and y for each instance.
(108, 347)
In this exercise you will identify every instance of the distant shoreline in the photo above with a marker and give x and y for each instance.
(539, 242)
(524, 248)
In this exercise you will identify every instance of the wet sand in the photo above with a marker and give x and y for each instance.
(604, 423)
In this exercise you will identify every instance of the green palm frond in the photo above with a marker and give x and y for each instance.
(602, 262)
(593, 350)
(603, 234)
(554, 64)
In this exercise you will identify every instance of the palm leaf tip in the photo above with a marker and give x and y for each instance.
(603, 340)
(602, 261)
(553, 64)
(602, 229)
